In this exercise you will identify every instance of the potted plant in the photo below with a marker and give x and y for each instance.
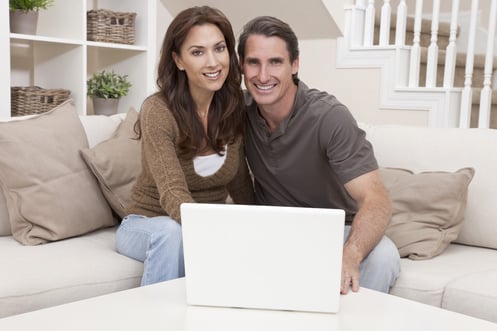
(106, 88)
(24, 14)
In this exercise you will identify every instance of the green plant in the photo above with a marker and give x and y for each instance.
(107, 85)
(27, 5)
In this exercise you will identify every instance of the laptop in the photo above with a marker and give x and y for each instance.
(263, 257)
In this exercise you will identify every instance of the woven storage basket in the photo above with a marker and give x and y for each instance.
(108, 26)
(31, 100)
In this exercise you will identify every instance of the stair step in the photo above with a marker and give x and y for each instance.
(476, 94)
(478, 60)
(425, 36)
(478, 68)
(443, 27)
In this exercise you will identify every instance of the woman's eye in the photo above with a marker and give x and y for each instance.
(221, 48)
(196, 53)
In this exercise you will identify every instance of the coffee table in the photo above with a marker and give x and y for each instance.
(163, 307)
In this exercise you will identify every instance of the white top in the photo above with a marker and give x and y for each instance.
(207, 165)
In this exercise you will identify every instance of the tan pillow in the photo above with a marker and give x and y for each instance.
(116, 163)
(428, 209)
(4, 217)
(50, 192)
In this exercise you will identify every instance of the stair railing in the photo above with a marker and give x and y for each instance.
(432, 61)
(366, 11)
(450, 56)
(414, 66)
(467, 93)
(486, 93)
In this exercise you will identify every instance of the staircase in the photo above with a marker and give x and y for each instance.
(450, 95)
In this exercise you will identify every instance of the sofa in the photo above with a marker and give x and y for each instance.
(56, 265)
(454, 267)
(441, 182)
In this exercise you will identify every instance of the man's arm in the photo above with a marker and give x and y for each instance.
(368, 226)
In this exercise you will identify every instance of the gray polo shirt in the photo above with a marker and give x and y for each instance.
(310, 156)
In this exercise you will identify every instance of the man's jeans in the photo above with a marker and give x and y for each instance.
(157, 242)
(380, 269)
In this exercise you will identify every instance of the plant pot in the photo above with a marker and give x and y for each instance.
(103, 106)
(22, 21)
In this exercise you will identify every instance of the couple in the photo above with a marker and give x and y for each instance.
(303, 147)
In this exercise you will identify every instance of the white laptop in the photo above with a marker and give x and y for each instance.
(264, 257)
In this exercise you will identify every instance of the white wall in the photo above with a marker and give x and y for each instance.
(358, 89)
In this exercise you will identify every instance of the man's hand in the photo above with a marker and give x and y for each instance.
(350, 270)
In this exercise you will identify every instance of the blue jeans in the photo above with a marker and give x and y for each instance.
(380, 269)
(157, 242)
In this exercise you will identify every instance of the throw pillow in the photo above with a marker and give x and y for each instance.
(116, 163)
(4, 217)
(50, 193)
(428, 209)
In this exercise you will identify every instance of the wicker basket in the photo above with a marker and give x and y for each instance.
(31, 100)
(108, 26)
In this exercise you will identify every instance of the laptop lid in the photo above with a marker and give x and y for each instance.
(265, 257)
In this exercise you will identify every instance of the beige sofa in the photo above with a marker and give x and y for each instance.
(38, 276)
(463, 277)
(460, 277)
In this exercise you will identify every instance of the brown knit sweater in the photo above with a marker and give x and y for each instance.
(168, 180)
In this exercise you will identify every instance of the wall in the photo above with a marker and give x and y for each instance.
(356, 88)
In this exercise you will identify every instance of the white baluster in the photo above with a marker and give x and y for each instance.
(415, 50)
(486, 93)
(356, 26)
(432, 61)
(369, 24)
(450, 55)
(400, 26)
(386, 11)
(467, 92)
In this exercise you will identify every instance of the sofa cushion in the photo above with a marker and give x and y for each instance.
(50, 192)
(428, 209)
(100, 127)
(474, 294)
(427, 280)
(116, 163)
(63, 271)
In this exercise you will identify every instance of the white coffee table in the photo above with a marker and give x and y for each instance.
(163, 307)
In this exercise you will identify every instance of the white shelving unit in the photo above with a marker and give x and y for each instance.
(59, 56)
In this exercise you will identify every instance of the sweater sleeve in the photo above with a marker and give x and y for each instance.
(241, 188)
(159, 132)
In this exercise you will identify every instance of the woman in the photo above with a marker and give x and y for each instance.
(191, 136)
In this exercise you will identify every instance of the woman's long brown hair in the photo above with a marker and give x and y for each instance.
(226, 111)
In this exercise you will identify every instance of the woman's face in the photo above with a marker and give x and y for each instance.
(205, 59)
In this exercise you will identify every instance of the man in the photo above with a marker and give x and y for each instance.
(305, 149)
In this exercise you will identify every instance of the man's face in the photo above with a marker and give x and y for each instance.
(268, 71)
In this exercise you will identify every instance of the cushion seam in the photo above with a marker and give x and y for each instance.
(69, 287)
